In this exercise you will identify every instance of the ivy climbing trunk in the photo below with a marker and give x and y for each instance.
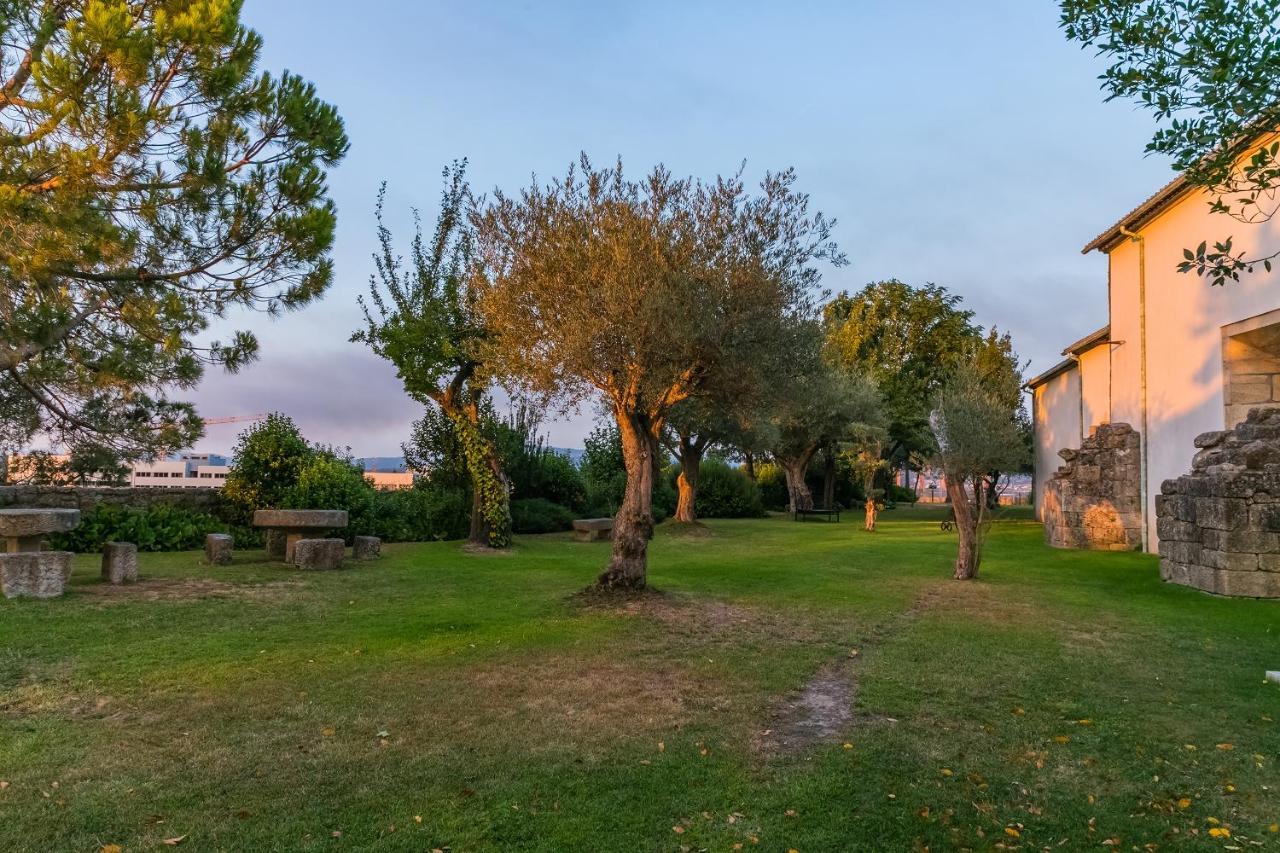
(490, 490)
(829, 479)
(633, 525)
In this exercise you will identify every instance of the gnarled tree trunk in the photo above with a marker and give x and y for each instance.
(795, 467)
(633, 525)
(749, 465)
(968, 522)
(691, 451)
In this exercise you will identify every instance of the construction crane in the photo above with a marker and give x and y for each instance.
(234, 419)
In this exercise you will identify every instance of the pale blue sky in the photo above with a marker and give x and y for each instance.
(965, 144)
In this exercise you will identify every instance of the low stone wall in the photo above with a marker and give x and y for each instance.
(84, 497)
(1219, 525)
(1094, 501)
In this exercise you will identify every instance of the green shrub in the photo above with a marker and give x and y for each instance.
(427, 511)
(269, 457)
(726, 492)
(901, 494)
(772, 483)
(538, 515)
(328, 481)
(159, 527)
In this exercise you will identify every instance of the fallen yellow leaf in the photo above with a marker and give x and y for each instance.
(1062, 739)
(328, 731)
(111, 848)
(848, 746)
(1226, 746)
(1018, 712)
(946, 771)
(1220, 832)
(1011, 832)
(662, 747)
(1274, 828)
(678, 830)
(417, 818)
(1084, 722)
(1229, 788)
(1184, 803)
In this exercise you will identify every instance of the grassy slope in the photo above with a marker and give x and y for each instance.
(245, 712)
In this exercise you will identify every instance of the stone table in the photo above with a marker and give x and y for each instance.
(25, 528)
(298, 524)
(25, 570)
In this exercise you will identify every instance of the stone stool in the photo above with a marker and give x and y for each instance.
(218, 548)
(119, 562)
(34, 574)
(318, 554)
(366, 548)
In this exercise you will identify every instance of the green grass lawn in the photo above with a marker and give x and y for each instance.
(445, 700)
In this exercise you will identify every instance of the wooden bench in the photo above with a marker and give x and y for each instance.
(592, 529)
(804, 514)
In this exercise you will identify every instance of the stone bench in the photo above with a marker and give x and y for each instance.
(297, 524)
(319, 554)
(592, 529)
(218, 549)
(366, 548)
(119, 562)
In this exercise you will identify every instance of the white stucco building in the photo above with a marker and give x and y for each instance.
(1176, 357)
(187, 470)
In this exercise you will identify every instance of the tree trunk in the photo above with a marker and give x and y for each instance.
(872, 512)
(797, 489)
(968, 554)
(829, 479)
(691, 451)
(633, 525)
(749, 464)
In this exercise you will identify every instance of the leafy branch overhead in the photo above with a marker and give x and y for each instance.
(1209, 71)
(151, 180)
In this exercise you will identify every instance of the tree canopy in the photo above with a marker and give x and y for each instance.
(644, 291)
(1209, 71)
(908, 340)
(151, 180)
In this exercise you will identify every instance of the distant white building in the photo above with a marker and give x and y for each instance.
(182, 471)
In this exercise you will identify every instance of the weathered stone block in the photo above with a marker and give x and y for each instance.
(1265, 517)
(1241, 541)
(1228, 561)
(366, 548)
(219, 549)
(1172, 530)
(119, 562)
(319, 554)
(1210, 439)
(1221, 513)
(1249, 584)
(34, 574)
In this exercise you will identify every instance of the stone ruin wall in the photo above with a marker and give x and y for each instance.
(1219, 525)
(1094, 501)
(83, 498)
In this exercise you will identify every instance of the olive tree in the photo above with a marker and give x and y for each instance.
(423, 319)
(976, 434)
(824, 406)
(642, 292)
(152, 180)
